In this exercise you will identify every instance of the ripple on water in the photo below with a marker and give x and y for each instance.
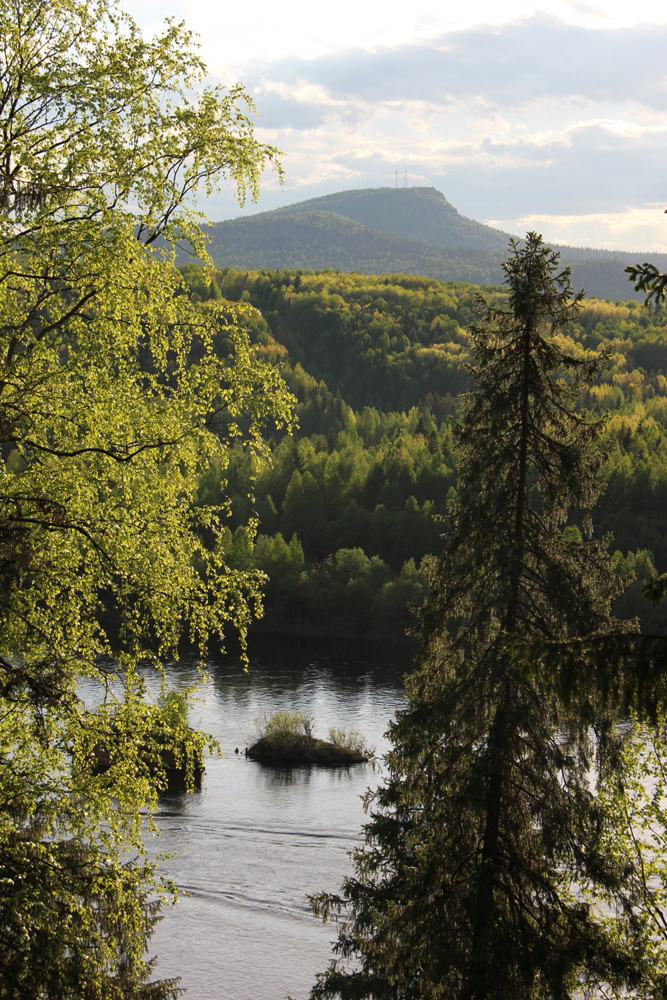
(257, 840)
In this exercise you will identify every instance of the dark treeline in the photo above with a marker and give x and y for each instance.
(349, 509)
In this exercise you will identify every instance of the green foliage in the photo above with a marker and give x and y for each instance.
(501, 857)
(346, 593)
(349, 741)
(74, 922)
(371, 477)
(647, 278)
(286, 738)
(113, 404)
(284, 727)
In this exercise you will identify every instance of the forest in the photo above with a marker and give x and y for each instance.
(347, 510)
(412, 230)
(180, 449)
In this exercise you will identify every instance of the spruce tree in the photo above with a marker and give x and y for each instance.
(488, 869)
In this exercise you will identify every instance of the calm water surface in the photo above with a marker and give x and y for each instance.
(256, 840)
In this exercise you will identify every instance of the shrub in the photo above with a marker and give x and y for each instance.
(350, 741)
(285, 727)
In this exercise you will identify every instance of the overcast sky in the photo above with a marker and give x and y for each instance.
(524, 116)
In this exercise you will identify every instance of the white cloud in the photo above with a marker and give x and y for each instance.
(234, 35)
(512, 112)
(511, 66)
(634, 229)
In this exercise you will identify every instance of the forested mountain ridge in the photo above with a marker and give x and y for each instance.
(413, 231)
(349, 508)
(320, 239)
(416, 213)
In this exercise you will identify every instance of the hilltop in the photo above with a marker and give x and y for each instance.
(417, 213)
(413, 231)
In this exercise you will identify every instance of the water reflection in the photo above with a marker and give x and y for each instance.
(257, 839)
(281, 777)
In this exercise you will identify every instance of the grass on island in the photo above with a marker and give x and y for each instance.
(287, 738)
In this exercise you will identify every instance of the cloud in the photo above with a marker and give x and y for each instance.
(279, 112)
(534, 119)
(634, 230)
(590, 168)
(305, 107)
(585, 167)
(505, 67)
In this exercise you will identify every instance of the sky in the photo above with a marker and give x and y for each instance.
(525, 116)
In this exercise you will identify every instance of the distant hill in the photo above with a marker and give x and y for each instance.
(397, 231)
(319, 240)
(414, 213)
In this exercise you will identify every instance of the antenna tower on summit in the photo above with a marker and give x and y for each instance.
(405, 178)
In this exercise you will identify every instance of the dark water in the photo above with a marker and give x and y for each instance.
(256, 840)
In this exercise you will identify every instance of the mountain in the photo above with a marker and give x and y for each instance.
(318, 240)
(397, 231)
(415, 213)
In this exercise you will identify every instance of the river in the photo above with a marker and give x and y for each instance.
(250, 846)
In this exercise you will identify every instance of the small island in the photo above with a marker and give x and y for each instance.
(286, 739)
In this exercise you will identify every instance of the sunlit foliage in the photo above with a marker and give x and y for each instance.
(113, 402)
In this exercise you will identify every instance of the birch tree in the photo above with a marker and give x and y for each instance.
(112, 403)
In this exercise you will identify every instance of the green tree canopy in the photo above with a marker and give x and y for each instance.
(112, 405)
(499, 860)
